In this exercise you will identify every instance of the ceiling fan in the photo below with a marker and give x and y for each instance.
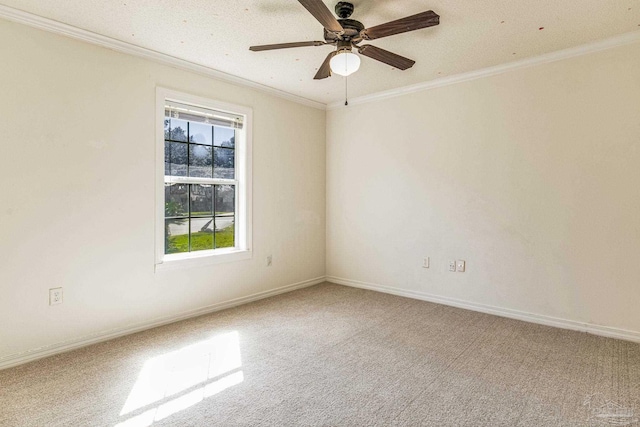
(346, 34)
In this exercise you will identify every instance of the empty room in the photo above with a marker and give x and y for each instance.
(320, 213)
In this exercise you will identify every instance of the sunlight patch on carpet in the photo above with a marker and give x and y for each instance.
(207, 365)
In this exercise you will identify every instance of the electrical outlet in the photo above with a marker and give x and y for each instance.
(425, 262)
(269, 260)
(55, 296)
(452, 266)
(460, 265)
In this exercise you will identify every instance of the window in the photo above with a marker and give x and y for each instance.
(204, 178)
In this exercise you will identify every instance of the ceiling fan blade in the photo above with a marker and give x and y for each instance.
(325, 69)
(285, 45)
(410, 23)
(322, 13)
(390, 58)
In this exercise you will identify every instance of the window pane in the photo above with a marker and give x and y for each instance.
(175, 158)
(225, 232)
(224, 137)
(167, 132)
(200, 159)
(201, 234)
(200, 133)
(224, 163)
(178, 130)
(176, 200)
(176, 236)
(225, 219)
(225, 200)
(201, 200)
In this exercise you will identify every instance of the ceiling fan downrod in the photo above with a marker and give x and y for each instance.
(344, 9)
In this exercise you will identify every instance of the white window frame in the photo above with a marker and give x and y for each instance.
(243, 220)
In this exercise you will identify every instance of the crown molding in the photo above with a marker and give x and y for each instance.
(610, 43)
(56, 27)
(60, 28)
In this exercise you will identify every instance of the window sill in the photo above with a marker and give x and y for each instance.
(198, 259)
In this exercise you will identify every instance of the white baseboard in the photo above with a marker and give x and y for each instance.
(541, 319)
(50, 350)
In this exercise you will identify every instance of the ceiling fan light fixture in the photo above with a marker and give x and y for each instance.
(345, 63)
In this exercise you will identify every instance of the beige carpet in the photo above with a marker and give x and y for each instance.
(333, 356)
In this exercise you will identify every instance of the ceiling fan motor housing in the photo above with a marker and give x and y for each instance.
(351, 28)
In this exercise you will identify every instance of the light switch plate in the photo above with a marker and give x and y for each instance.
(460, 265)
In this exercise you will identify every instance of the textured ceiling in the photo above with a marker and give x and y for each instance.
(471, 35)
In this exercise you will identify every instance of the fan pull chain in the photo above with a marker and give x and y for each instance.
(346, 86)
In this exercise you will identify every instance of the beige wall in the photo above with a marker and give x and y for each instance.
(530, 176)
(78, 161)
